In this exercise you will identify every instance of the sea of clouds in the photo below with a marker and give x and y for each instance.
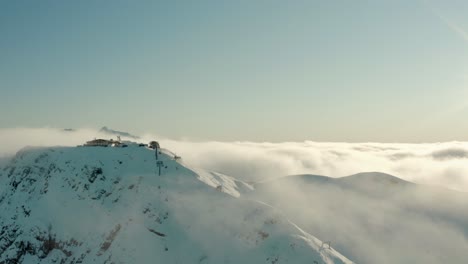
(443, 164)
(418, 225)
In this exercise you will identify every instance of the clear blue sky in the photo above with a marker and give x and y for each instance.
(239, 70)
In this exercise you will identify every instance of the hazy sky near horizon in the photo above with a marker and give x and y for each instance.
(440, 164)
(385, 71)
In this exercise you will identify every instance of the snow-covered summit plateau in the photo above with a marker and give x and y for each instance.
(110, 205)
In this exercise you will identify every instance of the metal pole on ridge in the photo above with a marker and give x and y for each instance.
(159, 164)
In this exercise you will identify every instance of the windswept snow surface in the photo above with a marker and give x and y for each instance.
(108, 205)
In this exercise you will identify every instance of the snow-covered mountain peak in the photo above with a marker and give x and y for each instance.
(121, 205)
(373, 177)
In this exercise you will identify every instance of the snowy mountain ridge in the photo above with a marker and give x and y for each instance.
(375, 217)
(109, 205)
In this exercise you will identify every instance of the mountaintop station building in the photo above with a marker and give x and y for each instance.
(102, 143)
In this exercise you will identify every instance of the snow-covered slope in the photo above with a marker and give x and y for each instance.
(109, 205)
(375, 217)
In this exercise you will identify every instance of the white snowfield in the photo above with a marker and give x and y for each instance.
(108, 205)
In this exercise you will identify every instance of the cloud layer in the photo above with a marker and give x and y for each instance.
(410, 225)
(443, 164)
(376, 221)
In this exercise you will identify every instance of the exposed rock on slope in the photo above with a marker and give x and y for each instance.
(108, 205)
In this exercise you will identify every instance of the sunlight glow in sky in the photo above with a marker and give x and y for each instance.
(386, 71)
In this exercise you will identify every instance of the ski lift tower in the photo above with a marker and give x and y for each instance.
(159, 164)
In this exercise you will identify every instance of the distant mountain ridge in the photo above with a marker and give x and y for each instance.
(107, 130)
(362, 176)
(375, 217)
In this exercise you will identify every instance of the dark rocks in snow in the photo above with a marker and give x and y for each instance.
(85, 204)
(156, 232)
(109, 239)
(25, 211)
(41, 245)
(50, 243)
(94, 174)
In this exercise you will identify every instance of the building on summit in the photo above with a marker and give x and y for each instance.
(102, 143)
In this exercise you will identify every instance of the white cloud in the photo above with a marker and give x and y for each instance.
(444, 164)
(13, 139)
(414, 226)
(377, 222)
